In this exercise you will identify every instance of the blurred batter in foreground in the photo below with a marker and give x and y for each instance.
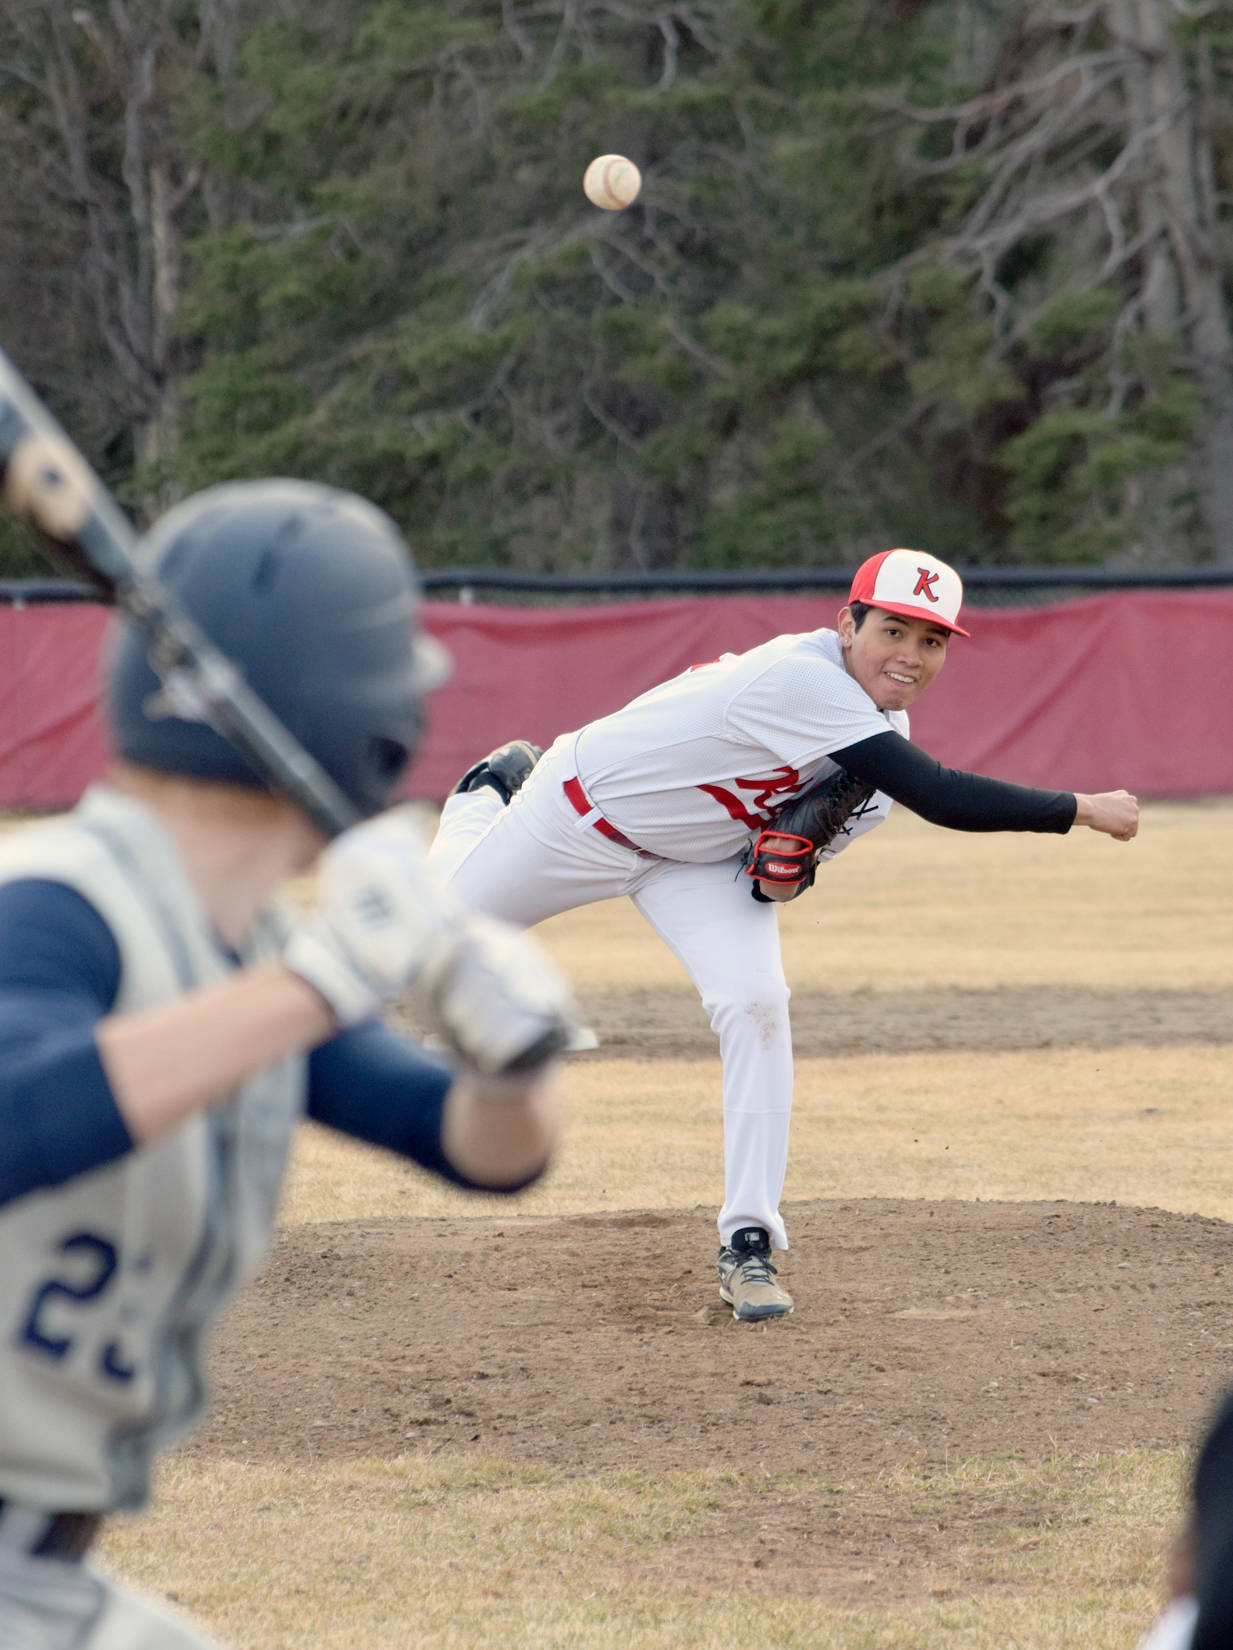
(164, 1023)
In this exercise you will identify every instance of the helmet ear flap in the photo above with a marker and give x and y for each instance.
(390, 759)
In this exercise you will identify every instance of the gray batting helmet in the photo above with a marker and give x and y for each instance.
(312, 593)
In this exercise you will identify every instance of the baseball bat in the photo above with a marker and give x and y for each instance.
(48, 484)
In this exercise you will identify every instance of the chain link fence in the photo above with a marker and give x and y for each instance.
(983, 586)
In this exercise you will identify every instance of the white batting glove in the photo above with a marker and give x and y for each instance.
(381, 919)
(499, 1001)
(385, 923)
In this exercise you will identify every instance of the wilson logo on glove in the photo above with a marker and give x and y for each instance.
(786, 870)
(780, 856)
(786, 852)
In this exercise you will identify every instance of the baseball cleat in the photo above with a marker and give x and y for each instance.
(747, 1278)
(504, 770)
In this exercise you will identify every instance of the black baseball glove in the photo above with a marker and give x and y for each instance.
(787, 850)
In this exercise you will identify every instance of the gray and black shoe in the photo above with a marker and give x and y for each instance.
(504, 770)
(747, 1278)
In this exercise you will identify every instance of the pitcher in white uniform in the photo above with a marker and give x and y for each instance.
(661, 800)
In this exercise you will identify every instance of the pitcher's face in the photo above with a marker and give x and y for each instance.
(893, 658)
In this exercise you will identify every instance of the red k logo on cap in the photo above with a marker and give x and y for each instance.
(913, 583)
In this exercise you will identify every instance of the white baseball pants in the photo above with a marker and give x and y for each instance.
(538, 857)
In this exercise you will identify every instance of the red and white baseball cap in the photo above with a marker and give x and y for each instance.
(912, 583)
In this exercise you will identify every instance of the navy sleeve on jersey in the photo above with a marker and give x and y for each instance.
(371, 1083)
(59, 974)
(950, 796)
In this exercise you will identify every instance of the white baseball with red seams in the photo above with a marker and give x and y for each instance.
(689, 772)
(612, 182)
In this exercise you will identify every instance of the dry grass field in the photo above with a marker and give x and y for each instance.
(461, 1422)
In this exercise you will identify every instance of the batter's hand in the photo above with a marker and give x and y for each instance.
(1116, 813)
(381, 919)
(499, 1002)
(385, 924)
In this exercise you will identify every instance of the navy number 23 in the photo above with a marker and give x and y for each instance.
(103, 1263)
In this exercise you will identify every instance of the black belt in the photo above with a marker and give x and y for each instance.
(65, 1535)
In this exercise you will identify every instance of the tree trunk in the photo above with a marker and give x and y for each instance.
(1184, 283)
(158, 437)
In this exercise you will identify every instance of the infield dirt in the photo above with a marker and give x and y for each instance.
(926, 1332)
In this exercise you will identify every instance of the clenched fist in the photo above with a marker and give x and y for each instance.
(1116, 813)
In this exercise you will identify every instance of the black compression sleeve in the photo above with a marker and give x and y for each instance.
(949, 796)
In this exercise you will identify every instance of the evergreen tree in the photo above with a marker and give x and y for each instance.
(902, 270)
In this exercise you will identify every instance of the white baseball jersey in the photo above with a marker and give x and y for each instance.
(110, 1280)
(689, 772)
(691, 768)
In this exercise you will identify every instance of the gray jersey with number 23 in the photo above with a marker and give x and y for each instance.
(109, 1282)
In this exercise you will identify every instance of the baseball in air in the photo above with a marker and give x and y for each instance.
(612, 182)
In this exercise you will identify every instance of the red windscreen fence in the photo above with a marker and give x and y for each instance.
(1128, 689)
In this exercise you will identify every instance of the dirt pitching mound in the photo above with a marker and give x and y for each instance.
(924, 1332)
